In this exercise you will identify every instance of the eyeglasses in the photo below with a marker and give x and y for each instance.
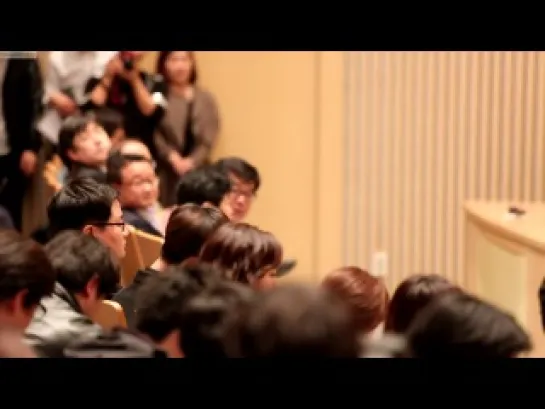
(122, 225)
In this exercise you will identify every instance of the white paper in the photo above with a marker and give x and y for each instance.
(50, 125)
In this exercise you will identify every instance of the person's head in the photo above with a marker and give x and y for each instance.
(245, 182)
(91, 207)
(177, 67)
(112, 122)
(411, 296)
(131, 146)
(365, 294)
(82, 140)
(134, 178)
(461, 326)
(204, 186)
(161, 303)
(247, 254)
(84, 267)
(26, 276)
(295, 322)
(188, 227)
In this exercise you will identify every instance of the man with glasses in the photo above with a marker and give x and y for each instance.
(26, 275)
(134, 178)
(90, 207)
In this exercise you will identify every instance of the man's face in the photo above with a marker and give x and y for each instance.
(90, 147)
(113, 234)
(140, 187)
(238, 201)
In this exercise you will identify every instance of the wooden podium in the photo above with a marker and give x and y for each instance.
(505, 260)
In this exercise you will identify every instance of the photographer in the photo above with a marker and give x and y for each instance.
(137, 95)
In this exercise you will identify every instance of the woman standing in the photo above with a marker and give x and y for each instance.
(189, 129)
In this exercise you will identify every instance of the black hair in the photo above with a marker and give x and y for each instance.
(80, 202)
(117, 162)
(77, 258)
(241, 169)
(24, 266)
(460, 325)
(71, 127)
(203, 185)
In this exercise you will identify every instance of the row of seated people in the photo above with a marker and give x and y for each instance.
(169, 112)
(214, 290)
(85, 150)
(198, 309)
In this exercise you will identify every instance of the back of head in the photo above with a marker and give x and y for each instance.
(188, 227)
(210, 318)
(365, 294)
(80, 202)
(459, 325)
(411, 296)
(203, 185)
(296, 321)
(241, 169)
(243, 251)
(77, 258)
(115, 343)
(161, 300)
(24, 268)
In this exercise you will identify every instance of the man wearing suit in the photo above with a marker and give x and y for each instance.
(20, 106)
(133, 176)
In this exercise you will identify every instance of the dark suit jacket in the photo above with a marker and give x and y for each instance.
(22, 104)
(84, 171)
(132, 217)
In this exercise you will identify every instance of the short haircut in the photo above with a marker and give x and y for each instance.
(109, 119)
(24, 266)
(411, 296)
(188, 227)
(242, 250)
(366, 295)
(71, 127)
(77, 258)
(295, 321)
(460, 325)
(81, 202)
(161, 300)
(203, 185)
(117, 162)
(241, 169)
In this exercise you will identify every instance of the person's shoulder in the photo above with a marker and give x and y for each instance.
(205, 95)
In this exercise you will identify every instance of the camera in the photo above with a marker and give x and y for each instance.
(128, 62)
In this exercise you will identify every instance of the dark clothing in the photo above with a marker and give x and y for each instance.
(5, 219)
(63, 322)
(121, 98)
(115, 343)
(127, 296)
(22, 103)
(83, 171)
(132, 217)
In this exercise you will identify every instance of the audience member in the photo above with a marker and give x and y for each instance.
(112, 122)
(188, 228)
(366, 296)
(294, 322)
(26, 275)
(92, 208)
(84, 147)
(137, 95)
(461, 326)
(190, 127)
(204, 186)
(131, 146)
(247, 254)
(86, 274)
(411, 296)
(20, 107)
(134, 179)
(169, 313)
(245, 181)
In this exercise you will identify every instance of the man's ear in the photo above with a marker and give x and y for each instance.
(91, 288)
(72, 155)
(17, 302)
(87, 229)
